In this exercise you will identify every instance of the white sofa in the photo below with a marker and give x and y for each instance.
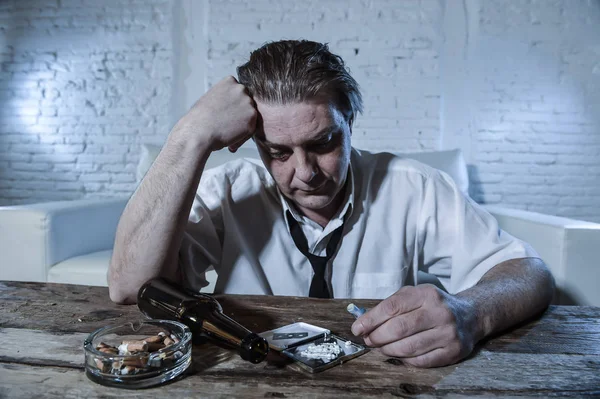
(71, 241)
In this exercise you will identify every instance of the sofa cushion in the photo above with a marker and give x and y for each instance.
(88, 269)
(92, 269)
(451, 162)
(147, 156)
(151, 151)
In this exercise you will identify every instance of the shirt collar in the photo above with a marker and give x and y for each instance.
(343, 212)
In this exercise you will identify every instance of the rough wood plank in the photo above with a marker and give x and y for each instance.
(29, 382)
(492, 371)
(521, 372)
(84, 309)
(562, 329)
(49, 382)
(65, 350)
(59, 307)
(498, 373)
(550, 356)
(42, 347)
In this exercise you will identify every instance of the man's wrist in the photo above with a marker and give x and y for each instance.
(192, 136)
(479, 319)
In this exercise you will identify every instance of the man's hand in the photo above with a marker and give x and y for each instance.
(226, 115)
(422, 325)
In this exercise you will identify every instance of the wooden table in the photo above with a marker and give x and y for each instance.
(43, 327)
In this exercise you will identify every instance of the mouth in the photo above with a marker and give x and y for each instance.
(315, 189)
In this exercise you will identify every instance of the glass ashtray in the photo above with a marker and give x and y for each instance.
(138, 354)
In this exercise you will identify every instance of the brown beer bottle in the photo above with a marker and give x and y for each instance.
(203, 314)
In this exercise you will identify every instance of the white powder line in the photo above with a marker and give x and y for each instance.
(324, 351)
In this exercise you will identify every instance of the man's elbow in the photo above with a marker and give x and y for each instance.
(118, 291)
(121, 295)
(544, 280)
(550, 284)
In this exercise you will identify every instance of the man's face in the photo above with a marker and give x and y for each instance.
(306, 148)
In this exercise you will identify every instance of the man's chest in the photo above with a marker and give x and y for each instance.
(372, 259)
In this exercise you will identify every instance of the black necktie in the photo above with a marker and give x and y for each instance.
(318, 286)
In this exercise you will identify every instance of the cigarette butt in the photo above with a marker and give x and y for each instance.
(174, 338)
(103, 367)
(153, 347)
(133, 346)
(116, 366)
(127, 370)
(155, 342)
(168, 342)
(109, 350)
(135, 361)
(102, 347)
(154, 339)
(355, 310)
(133, 342)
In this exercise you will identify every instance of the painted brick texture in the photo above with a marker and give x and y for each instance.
(84, 82)
(537, 145)
(391, 48)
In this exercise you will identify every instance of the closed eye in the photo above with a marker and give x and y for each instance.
(279, 155)
(322, 145)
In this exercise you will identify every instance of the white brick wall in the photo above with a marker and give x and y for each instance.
(537, 136)
(82, 83)
(390, 46)
(515, 84)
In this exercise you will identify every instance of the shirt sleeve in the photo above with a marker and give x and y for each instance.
(460, 241)
(201, 247)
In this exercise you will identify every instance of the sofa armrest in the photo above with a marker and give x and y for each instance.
(570, 248)
(35, 237)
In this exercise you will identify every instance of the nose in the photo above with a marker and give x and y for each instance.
(306, 168)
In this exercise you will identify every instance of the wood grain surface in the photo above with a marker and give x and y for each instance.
(42, 328)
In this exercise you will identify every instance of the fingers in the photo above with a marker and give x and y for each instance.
(252, 123)
(235, 146)
(436, 358)
(419, 343)
(400, 327)
(405, 300)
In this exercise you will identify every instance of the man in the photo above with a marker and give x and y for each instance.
(321, 218)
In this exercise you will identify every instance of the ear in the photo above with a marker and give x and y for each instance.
(350, 123)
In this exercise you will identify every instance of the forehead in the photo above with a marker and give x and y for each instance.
(294, 123)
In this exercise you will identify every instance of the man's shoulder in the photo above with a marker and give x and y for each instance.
(244, 174)
(392, 165)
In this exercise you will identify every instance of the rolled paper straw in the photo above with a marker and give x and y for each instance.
(355, 310)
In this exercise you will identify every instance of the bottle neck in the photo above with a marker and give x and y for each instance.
(221, 328)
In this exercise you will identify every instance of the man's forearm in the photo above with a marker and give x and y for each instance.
(509, 293)
(151, 228)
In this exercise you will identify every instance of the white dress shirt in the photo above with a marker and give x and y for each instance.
(401, 217)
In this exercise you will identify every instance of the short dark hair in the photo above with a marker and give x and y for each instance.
(292, 71)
